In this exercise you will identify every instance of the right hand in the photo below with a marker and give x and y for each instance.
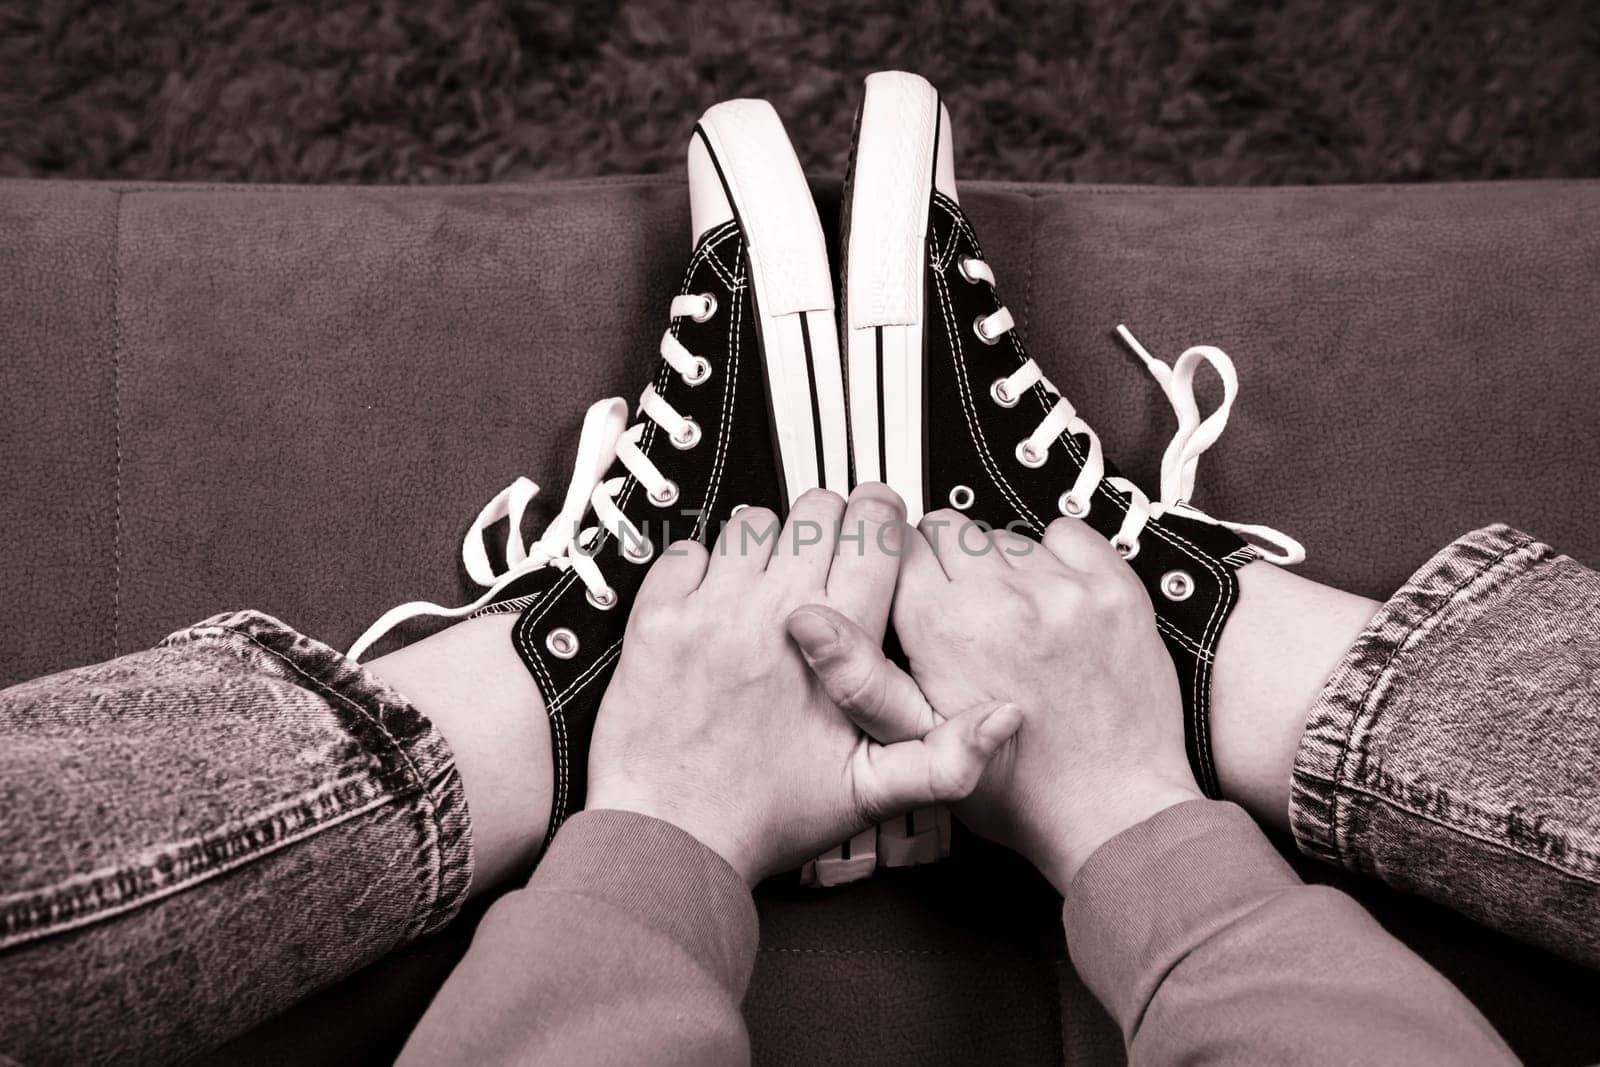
(712, 721)
(1065, 631)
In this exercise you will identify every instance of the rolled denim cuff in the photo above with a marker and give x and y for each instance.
(196, 836)
(1335, 760)
(409, 757)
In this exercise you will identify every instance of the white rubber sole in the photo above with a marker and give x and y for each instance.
(792, 287)
(895, 162)
(896, 150)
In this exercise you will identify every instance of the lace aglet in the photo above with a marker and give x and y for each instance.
(1133, 343)
(1158, 370)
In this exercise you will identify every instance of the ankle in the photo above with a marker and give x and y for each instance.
(469, 682)
(1287, 635)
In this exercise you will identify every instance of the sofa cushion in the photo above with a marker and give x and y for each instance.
(295, 399)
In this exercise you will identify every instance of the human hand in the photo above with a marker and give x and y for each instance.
(712, 721)
(1065, 630)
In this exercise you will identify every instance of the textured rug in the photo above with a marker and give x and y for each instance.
(1171, 91)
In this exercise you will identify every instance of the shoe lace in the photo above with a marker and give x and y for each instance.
(565, 543)
(1179, 463)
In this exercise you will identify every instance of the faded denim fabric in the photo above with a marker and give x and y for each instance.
(151, 904)
(1455, 753)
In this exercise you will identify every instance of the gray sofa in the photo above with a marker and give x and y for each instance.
(296, 398)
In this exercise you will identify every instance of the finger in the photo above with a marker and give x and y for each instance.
(745, 546)
(1075, 543)
(1016, 550)
(804, 552)
(920, 561)
(920, 587)
(872, 538)
(877, 696)
(676, 573)
(942, 768)
(963, 545)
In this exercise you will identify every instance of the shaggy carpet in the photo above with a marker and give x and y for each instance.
(1172, 91)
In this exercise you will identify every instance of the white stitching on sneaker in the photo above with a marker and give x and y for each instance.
(1181, 460)
(729, 231)
(722, 271)
(536, 609)
(969, 412)
(561, 699)
(1200, 686)
(563, 545)
(1200, 692)
(729, 398)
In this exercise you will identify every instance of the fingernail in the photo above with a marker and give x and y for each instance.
(1000, 724)
(812, 631)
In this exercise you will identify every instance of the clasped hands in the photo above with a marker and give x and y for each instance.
(753, 706)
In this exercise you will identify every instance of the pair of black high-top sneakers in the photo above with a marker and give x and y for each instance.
(748, 407)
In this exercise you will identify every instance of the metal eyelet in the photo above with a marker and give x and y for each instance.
(1002, 395)
(702, 372)
(1029, 457)
(562, 643)
(638, 551)
(690, 436)
(1177, 585)
(1126, 549)
(977, 328)
(711, 307)
(605, 600)
(961, 265)
(961, 497)
(1071, 505)
(668, 496)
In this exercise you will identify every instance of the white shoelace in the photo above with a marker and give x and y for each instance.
(1179, 463)
(606, 436)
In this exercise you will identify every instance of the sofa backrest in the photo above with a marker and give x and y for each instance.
(295, 399)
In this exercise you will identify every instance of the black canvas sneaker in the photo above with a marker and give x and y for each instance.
(746, 408)
(948, 408)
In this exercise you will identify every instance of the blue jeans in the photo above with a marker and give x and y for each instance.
(1455, 752)
(194, 837)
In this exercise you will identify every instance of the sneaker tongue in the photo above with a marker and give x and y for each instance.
(708, 204)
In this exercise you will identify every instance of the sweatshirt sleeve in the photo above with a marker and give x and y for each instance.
(633, 942)
(1206, 947)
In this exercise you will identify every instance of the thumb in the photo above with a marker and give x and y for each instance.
(879, 697)
(941, 768)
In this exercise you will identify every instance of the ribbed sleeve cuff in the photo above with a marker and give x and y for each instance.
(1151, 894)
(662, 878)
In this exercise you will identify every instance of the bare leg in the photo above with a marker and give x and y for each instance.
(1286, 636)
(470, 683)
(1284, 639)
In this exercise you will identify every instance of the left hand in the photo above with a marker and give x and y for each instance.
(1066, 631)
(714, 723)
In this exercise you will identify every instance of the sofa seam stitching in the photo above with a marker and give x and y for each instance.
(1007, 187)
(1027, 279)
(958, 953)
(116, 424)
